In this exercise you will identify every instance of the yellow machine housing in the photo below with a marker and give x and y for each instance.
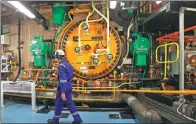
(92, 40)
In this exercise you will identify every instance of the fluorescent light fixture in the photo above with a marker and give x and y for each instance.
(113, 4)
(22, 8)
(158, 2)
(122, 3)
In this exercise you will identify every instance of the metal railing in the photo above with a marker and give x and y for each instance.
(166, 61)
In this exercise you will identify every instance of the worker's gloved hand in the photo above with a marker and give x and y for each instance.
(63, 97)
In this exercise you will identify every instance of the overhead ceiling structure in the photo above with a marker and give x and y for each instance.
(9, 10)
(167, 18)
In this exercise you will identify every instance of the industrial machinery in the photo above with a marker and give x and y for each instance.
(140, 48)
(95, 47)
(39, 50)
(6, 66)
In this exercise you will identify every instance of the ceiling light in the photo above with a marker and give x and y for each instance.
(113, 4)
(158, 2)
(22, 8)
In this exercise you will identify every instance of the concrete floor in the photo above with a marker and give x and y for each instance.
(22, 113)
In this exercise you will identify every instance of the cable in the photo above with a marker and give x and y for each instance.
(182, 114)
(129, 28)
(119, 67)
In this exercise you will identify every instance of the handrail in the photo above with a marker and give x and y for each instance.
(129, 91)
(166, 55)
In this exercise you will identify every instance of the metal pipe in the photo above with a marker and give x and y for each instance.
(77, 11)
(87, 21)
(75, 99)
(143, 114)
(107, 21)
(151, 49)
(181, 37)
(39, 69)
(108, 28)
(130, 91)
(165, 67)
(71, 5)
(190, 9)
(19, 52)
(100, 109)
(176, 33)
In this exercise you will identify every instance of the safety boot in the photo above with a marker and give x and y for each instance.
(77, 122)
(51, 122)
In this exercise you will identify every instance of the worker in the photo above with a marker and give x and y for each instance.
(64, 90)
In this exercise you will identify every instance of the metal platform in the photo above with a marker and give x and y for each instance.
(166, 19)
(21, 113)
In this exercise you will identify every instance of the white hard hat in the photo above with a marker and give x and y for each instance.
(59, 52)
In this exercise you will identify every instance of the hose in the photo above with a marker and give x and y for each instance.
(129, 28)
(182, 113)
(19, 52)
(119, 67)
(143, 114)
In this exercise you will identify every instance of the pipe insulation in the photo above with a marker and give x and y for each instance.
(143, 114)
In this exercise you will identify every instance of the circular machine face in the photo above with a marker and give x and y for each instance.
(93, 39)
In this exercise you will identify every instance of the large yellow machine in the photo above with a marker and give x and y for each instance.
(93, 63)
(97, 53)
(92, 46)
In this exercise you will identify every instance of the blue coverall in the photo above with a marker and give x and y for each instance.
(65, 75)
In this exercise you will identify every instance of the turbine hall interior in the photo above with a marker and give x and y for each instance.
(98, 62)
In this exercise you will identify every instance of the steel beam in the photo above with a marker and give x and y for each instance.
(40, 18)
(181, 37)
(190, 9)
(164, 8)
